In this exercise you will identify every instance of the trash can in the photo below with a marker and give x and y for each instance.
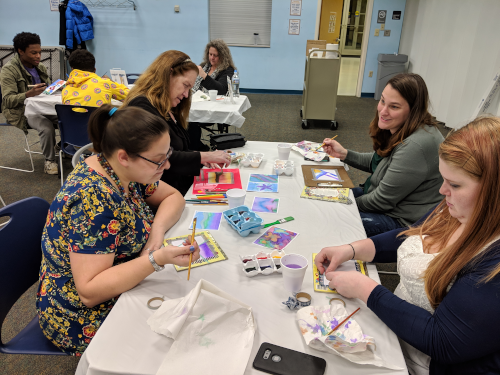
(388, 67)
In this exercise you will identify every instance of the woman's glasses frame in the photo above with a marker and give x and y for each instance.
(161, 163)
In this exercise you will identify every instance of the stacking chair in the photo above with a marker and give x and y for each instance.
(73, 120)
(132, 77)
(27, 149)
(76, 157)
(21, 257)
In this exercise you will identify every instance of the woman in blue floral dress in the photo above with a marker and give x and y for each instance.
(101, 223)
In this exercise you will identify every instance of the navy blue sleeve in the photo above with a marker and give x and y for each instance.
(387, 244)
(463, 327)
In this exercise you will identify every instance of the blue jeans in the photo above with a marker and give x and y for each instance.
(375, 223)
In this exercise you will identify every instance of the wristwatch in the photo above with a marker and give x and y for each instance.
(153, 263)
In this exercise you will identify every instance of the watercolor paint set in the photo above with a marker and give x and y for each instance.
(243, 220)
(262, 263)
(253, 160)
(283, 166)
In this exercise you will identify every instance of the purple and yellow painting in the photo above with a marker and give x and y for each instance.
(261, 204)
(276, 238)
(207, 220)
(326, 174)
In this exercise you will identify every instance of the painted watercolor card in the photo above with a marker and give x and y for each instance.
(321, 284)
(207, 220)
(210, 180)
(276, 238)
(261, 204)
(210, 251)
(263, 183)
(326, 175)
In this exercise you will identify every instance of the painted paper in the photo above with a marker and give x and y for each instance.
(326, 175)
(276, 238)
(207, 220)
(210, 252)
(224, 178)
(261, 204)
(263, 183)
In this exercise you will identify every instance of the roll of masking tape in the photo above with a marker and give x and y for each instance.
(155, 299)
(298, 301)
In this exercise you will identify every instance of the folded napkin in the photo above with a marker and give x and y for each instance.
(199, 96)
(213, 332)
(348, 341)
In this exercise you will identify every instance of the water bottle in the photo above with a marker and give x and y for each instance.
(236, 84)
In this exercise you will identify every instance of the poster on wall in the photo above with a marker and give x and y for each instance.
(54, 5)
(295, 7)
(381, 14)
(294, 27)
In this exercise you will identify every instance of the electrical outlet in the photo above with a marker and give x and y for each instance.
(370, 73)
(177, 9)
(387, 32)
(382, 26)
(377, 32)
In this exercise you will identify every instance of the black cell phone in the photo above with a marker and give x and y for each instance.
(277, 360)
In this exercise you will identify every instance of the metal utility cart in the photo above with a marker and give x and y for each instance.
(321, 80)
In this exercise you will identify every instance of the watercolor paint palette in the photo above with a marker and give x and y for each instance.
(253, 160)
(262, 263)
(243, 220)
(283, 166)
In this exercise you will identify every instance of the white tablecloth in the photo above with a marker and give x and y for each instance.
(219, 112)
(126, 345)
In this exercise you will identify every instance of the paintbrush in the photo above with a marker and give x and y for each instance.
(342, 322)
(192, 241)
(331, 139)
(281, 221)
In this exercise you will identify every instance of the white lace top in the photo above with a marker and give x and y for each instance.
(412, 263)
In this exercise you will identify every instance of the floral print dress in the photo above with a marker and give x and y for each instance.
(89, 216)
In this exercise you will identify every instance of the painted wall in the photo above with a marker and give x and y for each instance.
(454, 46)
(381, 43)
(131, 40)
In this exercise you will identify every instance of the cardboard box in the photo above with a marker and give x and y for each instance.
(321, 44)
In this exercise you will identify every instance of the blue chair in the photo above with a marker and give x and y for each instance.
(27, 149)
(73, 121)
(130, 78)
(21, 257)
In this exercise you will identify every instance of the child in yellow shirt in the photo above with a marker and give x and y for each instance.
(84, 87)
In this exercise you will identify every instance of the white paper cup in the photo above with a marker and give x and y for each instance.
(213, 95)
(236, 197)
(284, 150)
(292, 276)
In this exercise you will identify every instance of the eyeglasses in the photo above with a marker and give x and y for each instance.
(161, 163)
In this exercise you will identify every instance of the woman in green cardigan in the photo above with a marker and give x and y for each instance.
(404, 182)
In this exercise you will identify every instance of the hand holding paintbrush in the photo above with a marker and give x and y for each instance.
(334, 149)
(324, 142)
(192, 241)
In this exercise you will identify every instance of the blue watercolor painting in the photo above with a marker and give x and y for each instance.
(326, 174)
(262, 187)
(263, 178)
(261, 204)
(207, 220)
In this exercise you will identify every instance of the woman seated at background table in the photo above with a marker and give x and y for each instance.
(101, 220)
(216, 67)
(165, 91)
(405, 178)
(446, 306)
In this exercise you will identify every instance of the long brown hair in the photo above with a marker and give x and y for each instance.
(225, 58)
(413, 89)
(154, 84)
(474, 149)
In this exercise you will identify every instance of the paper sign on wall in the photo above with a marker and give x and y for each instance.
(294, 27)
(295, 7)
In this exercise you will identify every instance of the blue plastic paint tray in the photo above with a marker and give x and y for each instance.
(243, 220)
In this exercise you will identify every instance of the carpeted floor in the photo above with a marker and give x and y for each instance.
(272, 118)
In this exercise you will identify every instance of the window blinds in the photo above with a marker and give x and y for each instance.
(236, 21)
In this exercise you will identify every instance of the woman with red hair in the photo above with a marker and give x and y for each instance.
(445, 308)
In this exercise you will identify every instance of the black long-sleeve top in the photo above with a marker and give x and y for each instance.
(184, 163)
(220, 81)
(463, 335)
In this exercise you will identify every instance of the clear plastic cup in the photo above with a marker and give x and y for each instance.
(213, 95)
(236, 197)
(293, 268)
(284, 150)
